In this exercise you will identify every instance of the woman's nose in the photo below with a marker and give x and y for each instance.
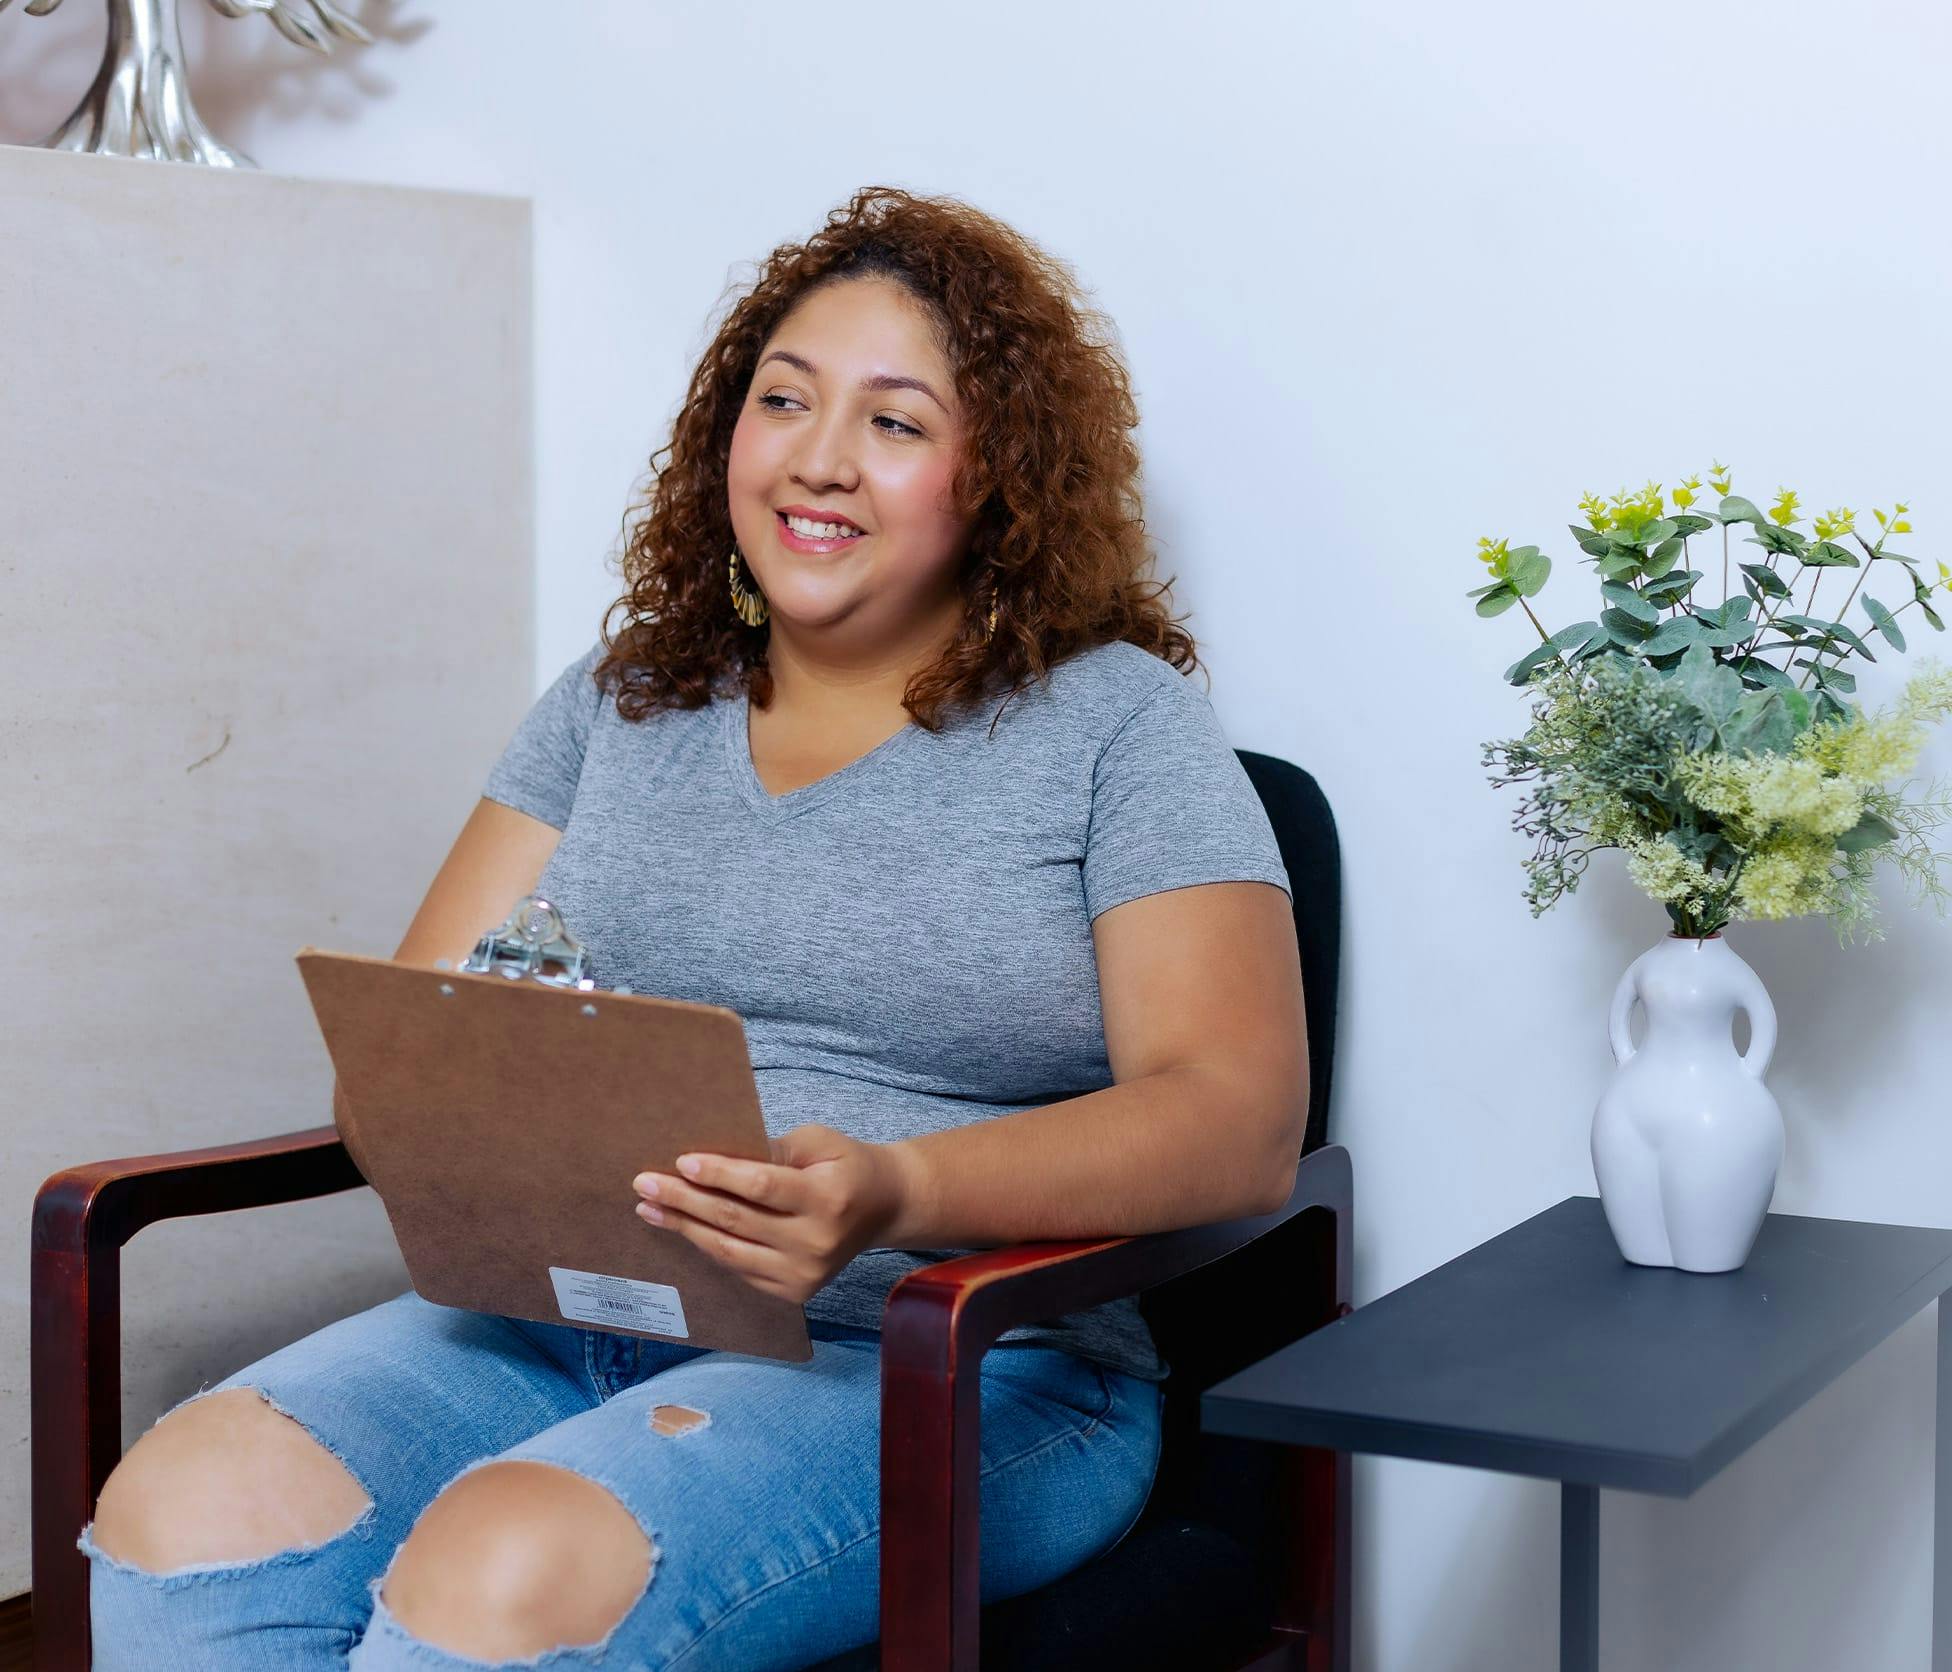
(826, 453)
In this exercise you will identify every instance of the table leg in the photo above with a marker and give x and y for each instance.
(1579, 1578)
(1942, 1497)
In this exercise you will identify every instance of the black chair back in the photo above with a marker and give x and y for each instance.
(1237, 1310)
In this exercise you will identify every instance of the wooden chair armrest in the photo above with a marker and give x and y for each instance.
(82, 1218)
(937, 1325)
(105, 1203)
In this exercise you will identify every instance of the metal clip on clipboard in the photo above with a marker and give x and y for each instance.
(531, 944)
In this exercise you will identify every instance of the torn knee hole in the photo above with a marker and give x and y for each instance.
(677, 1419)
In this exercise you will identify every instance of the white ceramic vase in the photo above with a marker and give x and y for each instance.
(1687, 1140)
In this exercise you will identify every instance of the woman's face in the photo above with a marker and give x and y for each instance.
(851, 419)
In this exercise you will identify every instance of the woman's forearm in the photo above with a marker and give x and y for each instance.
(1183, 1146)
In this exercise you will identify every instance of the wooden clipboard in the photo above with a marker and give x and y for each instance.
(501, 1123)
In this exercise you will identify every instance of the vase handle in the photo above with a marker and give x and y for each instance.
(1753, 997)
(1618, 1029)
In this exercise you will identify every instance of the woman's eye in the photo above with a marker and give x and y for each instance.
(768, 400)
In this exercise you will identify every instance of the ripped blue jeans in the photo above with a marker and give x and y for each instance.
(763, 1520)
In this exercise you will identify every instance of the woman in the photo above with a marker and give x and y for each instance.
(1008, 969)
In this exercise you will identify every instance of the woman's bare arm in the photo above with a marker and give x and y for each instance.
(1205, 1031)
(497, 858)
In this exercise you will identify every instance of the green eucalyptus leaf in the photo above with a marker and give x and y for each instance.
(1885, 625)
(1672, 589)
(1829, 709)
(1625, 630)
(1771, 584)
(1840, 631)
(1828, 676)
(1734, 508)
(1761, 723)
(1590, 540)
(1600, 645)
(1930, 615)
(1625, 598)
(1711, 687)
(1528, 571)
(1520, 672)
(1686, 523)
(1799, 709)
(1728, 613)
(1763, 673)
(1782, 541)
(1655, 533)
(1676, 634)
(1500, 599)
(1829, 630)
(1619, 565)
(1579, 634)
(1663, 557)
(1827, 554)
(1869, 831)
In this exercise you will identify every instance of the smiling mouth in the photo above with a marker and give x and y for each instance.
(804, 535)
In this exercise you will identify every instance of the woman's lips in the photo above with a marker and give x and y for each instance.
(801, 543)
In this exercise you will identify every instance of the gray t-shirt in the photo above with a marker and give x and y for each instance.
(907, 940)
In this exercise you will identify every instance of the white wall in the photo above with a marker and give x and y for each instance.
(1390, 278)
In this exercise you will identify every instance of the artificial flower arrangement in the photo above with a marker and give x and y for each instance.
(1684, 734)
(1716, 746)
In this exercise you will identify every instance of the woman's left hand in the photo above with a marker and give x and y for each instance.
(785, 1225)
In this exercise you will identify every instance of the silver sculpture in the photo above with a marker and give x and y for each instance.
(139, 105)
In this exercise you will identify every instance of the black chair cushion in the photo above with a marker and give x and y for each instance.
(1167, 1597)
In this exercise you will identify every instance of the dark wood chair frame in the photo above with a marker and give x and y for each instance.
(936, 1327)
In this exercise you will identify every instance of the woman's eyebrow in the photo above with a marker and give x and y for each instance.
(875, 383)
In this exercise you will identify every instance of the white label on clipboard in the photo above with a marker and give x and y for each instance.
(590, 1297)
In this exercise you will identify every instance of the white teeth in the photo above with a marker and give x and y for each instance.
(819, 531)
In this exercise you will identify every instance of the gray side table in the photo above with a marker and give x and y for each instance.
(1543, 1352)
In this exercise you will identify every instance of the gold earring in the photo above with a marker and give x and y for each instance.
(751, 607)
(991, 633)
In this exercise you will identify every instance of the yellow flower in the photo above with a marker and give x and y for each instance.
(1788, 876)
(1719, 478)
(1633, 510)
(1945, 577)
(1684, 493)
(1783, 512)
(1830, 524)
(1595, 509)
(1493, 555)
(1663, 871)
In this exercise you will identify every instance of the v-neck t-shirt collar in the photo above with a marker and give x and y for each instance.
(736, 738)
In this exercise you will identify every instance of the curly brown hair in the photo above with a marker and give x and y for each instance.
(1050, 470)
